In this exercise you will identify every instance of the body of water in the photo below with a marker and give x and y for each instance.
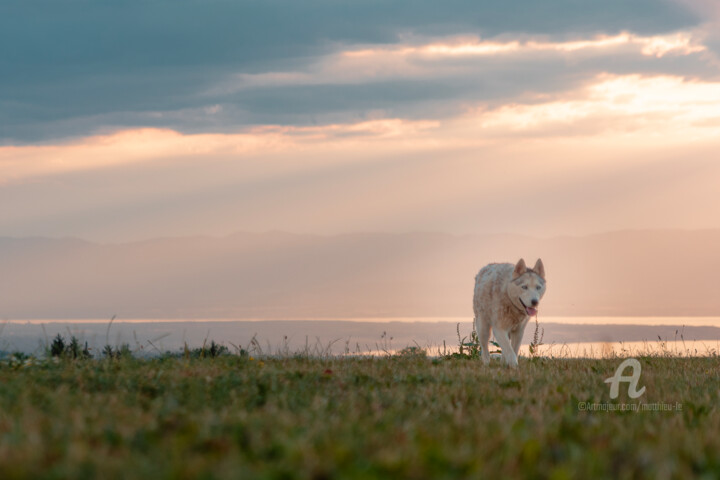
(561, 336)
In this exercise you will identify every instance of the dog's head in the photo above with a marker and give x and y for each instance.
(527, 286)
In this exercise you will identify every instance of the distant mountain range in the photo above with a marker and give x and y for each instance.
(282, 275)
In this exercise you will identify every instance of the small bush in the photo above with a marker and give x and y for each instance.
(59, 348)
(212, 351)
(122, 351)
(470, 348)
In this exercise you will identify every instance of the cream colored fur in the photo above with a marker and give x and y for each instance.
(505, 297)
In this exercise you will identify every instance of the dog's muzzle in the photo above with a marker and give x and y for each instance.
(531, 311)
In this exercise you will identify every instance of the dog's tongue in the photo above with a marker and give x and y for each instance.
(531, 311)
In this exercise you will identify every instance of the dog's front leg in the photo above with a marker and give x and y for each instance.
(508, 353)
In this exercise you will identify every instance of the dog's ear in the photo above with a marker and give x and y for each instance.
(540, 268)
(520, 269)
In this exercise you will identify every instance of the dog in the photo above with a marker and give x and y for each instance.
(506, 296)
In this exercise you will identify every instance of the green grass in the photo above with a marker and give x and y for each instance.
(406, 416)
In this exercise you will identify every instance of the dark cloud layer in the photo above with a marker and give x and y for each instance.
(70, 67)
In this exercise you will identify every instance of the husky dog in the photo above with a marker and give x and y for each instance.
(506, 296)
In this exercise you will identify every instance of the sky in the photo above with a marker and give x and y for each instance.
(126, 120)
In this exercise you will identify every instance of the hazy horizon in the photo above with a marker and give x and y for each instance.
(279, 275)
(277, 231)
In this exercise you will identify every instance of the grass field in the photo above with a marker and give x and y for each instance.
(402, 416)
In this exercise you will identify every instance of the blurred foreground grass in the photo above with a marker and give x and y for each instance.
(404, 416)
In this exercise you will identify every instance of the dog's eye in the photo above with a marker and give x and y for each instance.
(525, 287)
(538, 287)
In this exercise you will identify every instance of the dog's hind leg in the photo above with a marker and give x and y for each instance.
(482, 328)
(509, 355)
(515, 340)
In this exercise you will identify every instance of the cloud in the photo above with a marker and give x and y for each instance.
(408, 61)
(434, 80)
(137, 146)
(139, 64)
(441, 78)
(639, 107)
(659, 45)
(646, 108)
